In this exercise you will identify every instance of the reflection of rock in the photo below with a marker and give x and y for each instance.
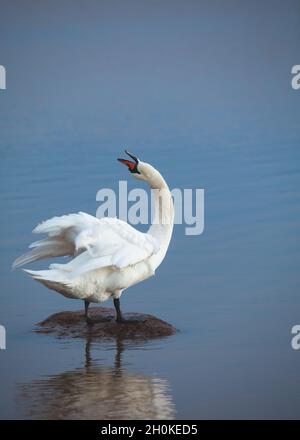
(72, 324)
(97, 392)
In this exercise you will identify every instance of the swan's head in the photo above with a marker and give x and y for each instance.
(143, 171)
(133, 166)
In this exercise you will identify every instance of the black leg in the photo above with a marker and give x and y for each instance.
(119, 317)
(130, 320)
(86, 308)
(86, 314)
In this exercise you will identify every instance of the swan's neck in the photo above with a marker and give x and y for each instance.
(162, 218)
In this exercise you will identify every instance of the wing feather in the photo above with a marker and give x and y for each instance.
(104, 242)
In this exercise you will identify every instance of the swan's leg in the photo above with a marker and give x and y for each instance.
(86, 308)
(91, 321)
(86, 314)
(119, 317)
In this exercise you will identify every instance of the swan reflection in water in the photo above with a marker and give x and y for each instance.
(98, 392)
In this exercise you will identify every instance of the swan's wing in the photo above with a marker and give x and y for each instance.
(65, 235)
(58, 225)
(104, 242)
(113, 242)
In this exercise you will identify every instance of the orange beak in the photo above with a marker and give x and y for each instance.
(132, 166)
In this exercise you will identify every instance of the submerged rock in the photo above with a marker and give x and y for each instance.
(73, 325)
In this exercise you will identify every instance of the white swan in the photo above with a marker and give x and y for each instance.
(109, 254)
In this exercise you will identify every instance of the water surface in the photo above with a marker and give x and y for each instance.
(202, 91)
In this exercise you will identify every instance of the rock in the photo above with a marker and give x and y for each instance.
(73, 325)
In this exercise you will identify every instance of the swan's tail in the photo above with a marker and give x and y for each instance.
(52, 278)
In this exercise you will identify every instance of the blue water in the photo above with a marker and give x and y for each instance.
(202, 91)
